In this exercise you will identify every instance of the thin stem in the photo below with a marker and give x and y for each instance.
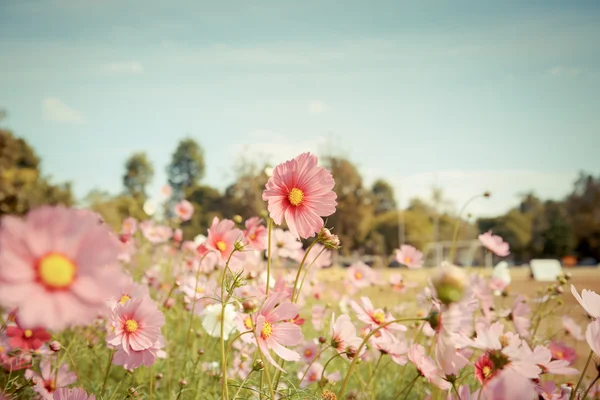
(590, 387)
(300, 270)
(587, 363)
(187, 337)
(409, 388)
(242, 385)
(108, 365)
(270, 233)
(224, 387)
(362, 345)
(457, 225)
(374, 370)
(313, 361)
(265, 369)
(327, 363)
(307, 270)
(231, 343)
(151, 384)
(456, 391)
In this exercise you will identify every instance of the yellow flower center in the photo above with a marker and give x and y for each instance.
(267, 330)
(358, 275)
(407, 260)
(308, 353)
(295, 196)
(252, 236)
(124, 299)
(131, 325)
(28, 333)
(221, 245)
(248, 323)
(487, 371)
(559, 354)
(56, 271)
(504, 341)
(379, 317)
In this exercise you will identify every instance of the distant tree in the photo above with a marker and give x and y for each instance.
(138, 174)
(583, 208)
(208, 203)
(244, 196)
(187, 166)
(22, 186)
(383, 197)
(114, 209)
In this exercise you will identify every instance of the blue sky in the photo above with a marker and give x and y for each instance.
(471, 96)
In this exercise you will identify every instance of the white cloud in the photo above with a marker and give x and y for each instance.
(564, 71)
(317, 107)
(125, 67)
(53, 109)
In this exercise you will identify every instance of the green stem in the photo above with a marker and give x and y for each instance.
(108, 365)
(456, 391)
(312, 362)
(374, 370)
(270, 239)
(307, 271)
(265, 370)
(187, 337)
(589, 387)
(362, 345)
(409, 388)
(457, 225)
(224, 387)
(151, 384)
(300, 270)
(587, 363)
(327, 363)
(242, 385)
(231, 343)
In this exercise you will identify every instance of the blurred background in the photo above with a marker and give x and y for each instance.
(416, 107)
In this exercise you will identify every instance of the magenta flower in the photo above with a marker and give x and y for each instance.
(26, 339)
(343, 336)
(222, 236)
(184, 210)
(73, 394)
(50, 380)
(561, 351)
(409, 256)
(255, 234)
(58, 266)
(273, 333)
(427, 367)
(135, 325)
(589, 300)
(302, 193)
(494, 243)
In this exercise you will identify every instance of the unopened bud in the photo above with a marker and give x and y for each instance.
(200, 352)
(249, 305)
(322, 339)
(328, 239)
(434, 320)
(251, 275)
(183, 382)
(486, 194)
(568, 276)
(55, 346)
(258, 365)
(132, 391)
(350, 352)
(169, 303)
(264, 213)
(560, 290)
(159, 376)
(177, 283)
(449, 282)
(239, 246)
(237, 219)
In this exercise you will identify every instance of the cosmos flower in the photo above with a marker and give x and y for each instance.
(221, 239)
(314, 374)
(360, 275)
(494, 243)
(561, 351)
(49, 380)
(212, 320)
(129, 226)
(375, 318)
(255, 234)
(592, 335)
(58, 266)
(427, 367)
(26, 339)
(184, 210)
(343, 336)
(520, 316)
(589, 300)
(572, 328)
(409, 256)
(301, 193)
(73, 394)
(285, 245)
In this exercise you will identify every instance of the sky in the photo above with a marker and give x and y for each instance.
(468, 96)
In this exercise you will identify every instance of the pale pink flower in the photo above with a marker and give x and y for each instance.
(48, 380)
(448, 356)
(409, 256)
(177, 235)
(592, 335)
(427, 367)
(360, 274)
(272, 333)
(572, 328)
(508, 384)
(375, 318)
(309, 351)
(129, 290)
(494, 243)
(391, 346)
(318, 312)
(399, 284)
(589, 300)
(222, 236)
(549, 391)
(136, 358)
(184, 210)
(561, 351)
(58, 266)
(343, 335)
(129, 226)
(285, 244)
(302, 193)
(542, 357)
(315, 373)
(135, 325)
(155, 234)
(520, 316)
(255, 234)
(73, 394)
(166, 191)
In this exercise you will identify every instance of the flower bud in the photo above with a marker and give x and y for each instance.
(449, 282)
(237, 219)
(239, 246)
(55, 346)
(200, 352)
(322, 339)
(487, 194)
(258, 365)
(169, 303)
(183, 382)
(328, 239)
(159, 376)
(350, 352)
(249, 305)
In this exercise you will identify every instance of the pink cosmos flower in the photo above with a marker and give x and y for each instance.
(484, 369)
(520, 316)
(426, 367)
(589, 300)
(318, 312)
(184, 210)
(343, 336)
(494, 243)
(542, 357)
(273, 334)
(394, 348)
(222, 236)
(26, 339)
(155, 234)
(255, 234)
(375, 317)
(508, 384)
(409, 256)
(58, 266)
(399, 284)
(572, 328)
(285, 244)
(315, 373)
(309, 351)
(560, 351)
(302, 193)
(73, 394)
(549, 391)
(360, 274)
(166, 191)
(129, 226)
(178, 235)
(135, 325)
(130, 290)
(49, 380)
(592, 336)
(134, 359)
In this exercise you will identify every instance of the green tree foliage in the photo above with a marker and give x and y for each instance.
(187, 166)
(383, 197)
(138, 174)
(583, 208)
(22, 186)
(244, 196)
(208, 203)
(114, 209)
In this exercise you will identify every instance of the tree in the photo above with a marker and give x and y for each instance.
(138, 174)
(383, 197)
(22, 187)
(187, 166)
(583, 207)
(208, 203)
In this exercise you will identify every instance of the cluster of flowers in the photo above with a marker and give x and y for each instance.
(64, 270)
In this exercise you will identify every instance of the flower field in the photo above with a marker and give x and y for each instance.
(88, 313)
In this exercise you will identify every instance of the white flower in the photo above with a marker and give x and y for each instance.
(212, 320)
